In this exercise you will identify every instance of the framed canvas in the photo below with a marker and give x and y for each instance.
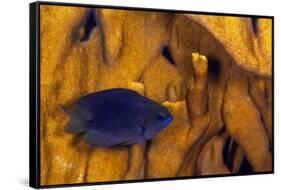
(121, 94)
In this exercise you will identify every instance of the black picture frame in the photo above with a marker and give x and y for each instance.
(34, 92)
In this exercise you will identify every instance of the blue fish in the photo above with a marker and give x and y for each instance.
(117, 117)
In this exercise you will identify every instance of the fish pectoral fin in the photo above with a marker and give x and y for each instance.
(75, 123)
(95, 138)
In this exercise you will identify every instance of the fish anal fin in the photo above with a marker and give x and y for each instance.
(131, 141)
(95, 138)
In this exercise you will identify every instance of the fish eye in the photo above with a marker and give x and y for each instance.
(160, 116)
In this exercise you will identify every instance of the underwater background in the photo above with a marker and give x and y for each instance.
(213, 73)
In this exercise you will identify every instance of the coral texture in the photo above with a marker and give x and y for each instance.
(214, 74)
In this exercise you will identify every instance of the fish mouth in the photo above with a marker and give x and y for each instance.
(167, 121)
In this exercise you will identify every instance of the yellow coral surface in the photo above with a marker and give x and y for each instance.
(218, 89)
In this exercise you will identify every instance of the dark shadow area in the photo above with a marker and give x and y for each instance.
(246, 167)
(255, 24)
(225, 152)
(89, 26)
(166, 53)
(214, 68)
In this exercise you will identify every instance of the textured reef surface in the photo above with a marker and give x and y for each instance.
(213, 73)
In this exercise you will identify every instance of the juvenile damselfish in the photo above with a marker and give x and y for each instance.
(117, 117)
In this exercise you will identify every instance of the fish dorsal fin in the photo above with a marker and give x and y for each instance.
(119, 90)
(92, 97)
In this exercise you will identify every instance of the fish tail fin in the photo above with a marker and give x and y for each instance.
(75, 124)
